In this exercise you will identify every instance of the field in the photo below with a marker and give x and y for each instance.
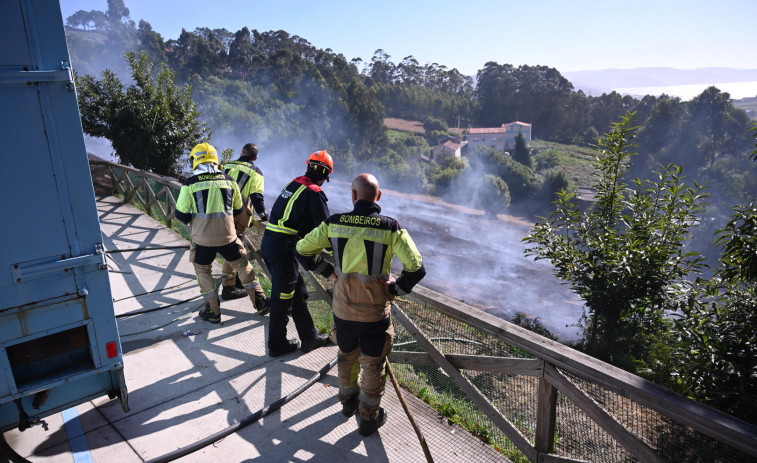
(578, 162)
(404, 125)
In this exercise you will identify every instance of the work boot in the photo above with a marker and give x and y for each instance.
(368, 427)
(262, 303)
(319, 340)
(350, 406)
(232, 292)
(207, 314)
(291, 345)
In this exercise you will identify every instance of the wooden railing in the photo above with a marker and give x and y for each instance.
(561, 372)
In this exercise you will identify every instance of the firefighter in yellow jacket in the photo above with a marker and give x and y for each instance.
(208, 202)
(249, 177)
(364, 244)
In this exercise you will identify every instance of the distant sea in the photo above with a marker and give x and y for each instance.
(737, 90)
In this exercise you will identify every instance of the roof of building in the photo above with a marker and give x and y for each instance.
(452, 144)
(480, 130)
(495, 130)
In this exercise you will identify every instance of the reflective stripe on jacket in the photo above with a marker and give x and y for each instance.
(250, 180)
(364, 244)
(208, 203)
(300, 207)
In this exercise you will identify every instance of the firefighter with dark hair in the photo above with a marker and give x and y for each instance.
(364, 244)
(208, 202)
(299, 208)
(249, 178)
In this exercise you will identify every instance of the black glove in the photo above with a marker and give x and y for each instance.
(263, 217)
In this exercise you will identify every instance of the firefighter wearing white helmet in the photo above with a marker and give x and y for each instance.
(208, 202)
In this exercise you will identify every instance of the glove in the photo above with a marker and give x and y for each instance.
(263, 217)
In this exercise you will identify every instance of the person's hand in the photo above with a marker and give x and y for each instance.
(333, 276)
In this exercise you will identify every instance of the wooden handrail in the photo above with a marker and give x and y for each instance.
(720, 426)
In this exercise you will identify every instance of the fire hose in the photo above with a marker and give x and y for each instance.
(274, 406)
(265, 411)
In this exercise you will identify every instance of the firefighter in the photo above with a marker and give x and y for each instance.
(250, 180)
(208, 202)
(299, 208)
(364, 244)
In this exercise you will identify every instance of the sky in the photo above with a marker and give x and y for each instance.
(567, 35)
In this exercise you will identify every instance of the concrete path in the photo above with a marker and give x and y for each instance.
(185, 388)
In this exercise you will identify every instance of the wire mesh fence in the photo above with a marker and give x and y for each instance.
(577, 436)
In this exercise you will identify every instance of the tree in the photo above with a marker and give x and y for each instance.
(151, 43)
(150, 124)
(716, 357)
(624, 257)
(717, 351)
(117, 11)
(381, 70)
(522, 154)
(554, 182)
(492, 195)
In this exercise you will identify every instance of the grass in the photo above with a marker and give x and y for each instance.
(578, 162)
(443, 396)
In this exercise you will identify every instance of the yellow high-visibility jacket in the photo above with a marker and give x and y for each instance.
(364, 244)
(208, 203)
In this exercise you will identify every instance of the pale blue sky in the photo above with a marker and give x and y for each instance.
(567, 35)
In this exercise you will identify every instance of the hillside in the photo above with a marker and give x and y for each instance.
(578, 162)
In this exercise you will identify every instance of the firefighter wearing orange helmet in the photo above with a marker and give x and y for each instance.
(299, 208)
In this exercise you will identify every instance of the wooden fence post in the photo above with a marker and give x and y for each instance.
(546, 416)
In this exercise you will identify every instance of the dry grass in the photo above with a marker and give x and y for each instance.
(404, 125)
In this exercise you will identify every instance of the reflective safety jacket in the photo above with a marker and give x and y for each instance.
(364, 244)
(250, 180)
(299, 208)
(208, 203)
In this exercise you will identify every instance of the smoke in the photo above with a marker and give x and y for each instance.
(468, 256)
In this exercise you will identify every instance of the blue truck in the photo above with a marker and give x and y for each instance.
(59, 341)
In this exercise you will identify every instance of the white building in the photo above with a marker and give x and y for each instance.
(501, 138)
(448, 149)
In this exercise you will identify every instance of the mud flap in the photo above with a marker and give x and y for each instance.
(117, 377)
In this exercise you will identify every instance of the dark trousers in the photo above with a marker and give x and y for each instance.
(288, 291)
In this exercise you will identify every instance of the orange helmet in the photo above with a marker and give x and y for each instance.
(323, 159)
